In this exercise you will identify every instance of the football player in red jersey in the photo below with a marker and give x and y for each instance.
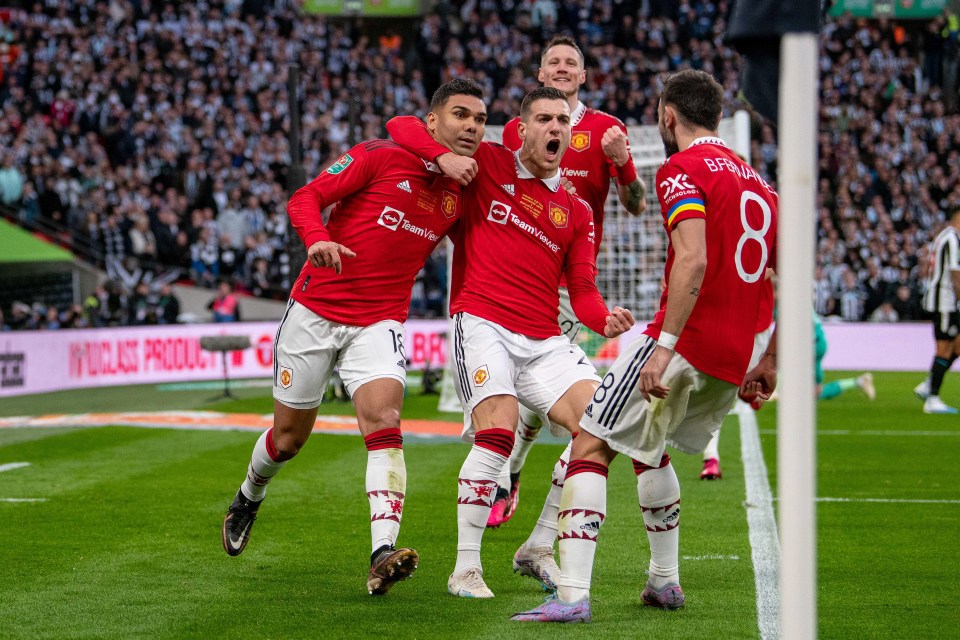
(347, 309)
(721, 218)
(520, 232)
(599, 151)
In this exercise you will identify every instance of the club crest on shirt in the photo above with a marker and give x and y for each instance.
(558, 216)
(480, 375)
(342, 163)
(448, 204)
(499, 212)
(285, 379)
(580, 140)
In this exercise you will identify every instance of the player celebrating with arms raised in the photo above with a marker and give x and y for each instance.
(721, 218)
(520, 232)
(391, 212)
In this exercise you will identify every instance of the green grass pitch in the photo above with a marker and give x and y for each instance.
(127, 543)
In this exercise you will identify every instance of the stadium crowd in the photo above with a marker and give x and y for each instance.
(154, 134)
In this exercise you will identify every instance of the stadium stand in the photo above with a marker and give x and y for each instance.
(151, 137)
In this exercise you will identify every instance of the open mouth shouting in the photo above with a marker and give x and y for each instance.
(553, 149)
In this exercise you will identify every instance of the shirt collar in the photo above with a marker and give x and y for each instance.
(708, 140)
(523, 173)
(577, 114)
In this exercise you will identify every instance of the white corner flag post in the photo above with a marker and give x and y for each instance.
(796, 410)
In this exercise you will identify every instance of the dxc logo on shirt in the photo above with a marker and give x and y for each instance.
(676, 183)
(499, 212)
(390, 218)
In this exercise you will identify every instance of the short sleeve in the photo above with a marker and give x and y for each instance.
(680, 198)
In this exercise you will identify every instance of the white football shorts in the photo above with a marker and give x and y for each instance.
(570, 327)
(686, 419)
(492, 361)
(308, 347)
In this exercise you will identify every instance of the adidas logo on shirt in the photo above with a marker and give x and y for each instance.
(405, 185)
(508, 188)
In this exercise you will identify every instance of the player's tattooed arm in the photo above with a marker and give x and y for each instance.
(633, 196)
(695, 292)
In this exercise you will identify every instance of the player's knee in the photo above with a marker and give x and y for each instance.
(587, 446)
(288, 443)
(380, 419)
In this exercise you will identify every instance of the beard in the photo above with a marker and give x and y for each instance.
(670, 147)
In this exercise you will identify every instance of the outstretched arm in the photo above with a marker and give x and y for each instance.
(412, 134)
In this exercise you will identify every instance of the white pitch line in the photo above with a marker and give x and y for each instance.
(872, 432)
(10, 466)
(23, 499)
(764, 542)
(710, 557)
(890, 500)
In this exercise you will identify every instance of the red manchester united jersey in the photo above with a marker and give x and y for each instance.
(518, 235)
(391, 211)
(584, 163)
(708, 180)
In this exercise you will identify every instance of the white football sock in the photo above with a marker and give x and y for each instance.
(713, 447)
(477, 488)
(659, 494)
(544, 534)
(386, 486)
(262, 467)
(528, 428)
(583, 507)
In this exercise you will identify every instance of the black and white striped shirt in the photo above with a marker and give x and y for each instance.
(940, 295)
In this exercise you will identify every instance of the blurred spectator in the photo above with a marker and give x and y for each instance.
(205, 258)
(884, 313)
(19, 315)
(168, 306)
(11, 180)
(51, 319)
(258, 282)
(139, 308)
(851, 298)
(225, 306)
(143, 244)
(95, 307)
(907, 303)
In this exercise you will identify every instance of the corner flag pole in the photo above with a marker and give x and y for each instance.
(796, 410)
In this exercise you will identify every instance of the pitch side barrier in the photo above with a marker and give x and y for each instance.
(41, 361)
